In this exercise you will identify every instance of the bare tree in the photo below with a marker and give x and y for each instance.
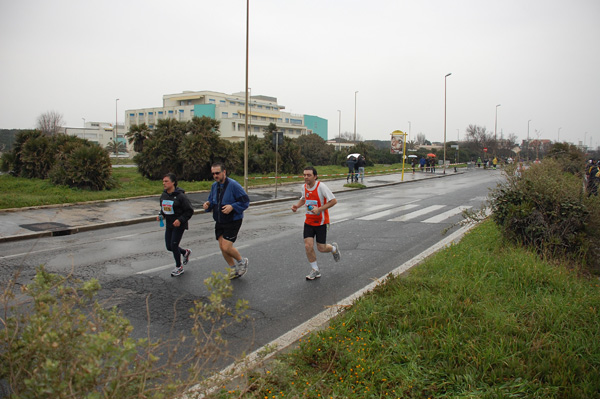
(349, 136)
(50, 122)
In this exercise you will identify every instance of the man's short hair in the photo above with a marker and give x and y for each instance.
(311, 168)
(219, 165)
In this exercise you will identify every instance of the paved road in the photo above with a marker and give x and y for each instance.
(377, 229)
(19, 224)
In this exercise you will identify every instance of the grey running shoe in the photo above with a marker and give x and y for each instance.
(186, 256)
(233, 273)
(242, 267)
(313, 274)
(337, 254)
(177, 271)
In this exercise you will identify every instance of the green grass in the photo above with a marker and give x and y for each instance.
(20, 192)
(480, 319)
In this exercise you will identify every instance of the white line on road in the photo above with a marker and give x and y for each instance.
(170, 265)
(445, 215)
(415, 214)
(389, 212)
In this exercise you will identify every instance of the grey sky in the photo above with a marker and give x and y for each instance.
(537, 58)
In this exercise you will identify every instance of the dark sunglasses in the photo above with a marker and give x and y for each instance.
(216, 173)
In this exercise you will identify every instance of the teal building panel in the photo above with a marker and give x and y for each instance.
(205, 110)
(317, 125)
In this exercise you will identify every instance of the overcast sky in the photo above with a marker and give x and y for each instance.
(539, 59)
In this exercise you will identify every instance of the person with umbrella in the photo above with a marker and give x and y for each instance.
(351, 162)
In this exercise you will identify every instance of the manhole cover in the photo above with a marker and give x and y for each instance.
(48, 226)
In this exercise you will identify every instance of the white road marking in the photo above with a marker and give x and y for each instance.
(389, 212)
(170, 265)
(445, 215)
(416, 214)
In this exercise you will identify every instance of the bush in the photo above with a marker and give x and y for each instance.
(546, 209)
(84, 167)
(69, 346)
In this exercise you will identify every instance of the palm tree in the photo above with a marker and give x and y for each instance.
(137, 134)
(116, 147)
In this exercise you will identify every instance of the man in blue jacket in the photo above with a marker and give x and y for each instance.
(228, 201)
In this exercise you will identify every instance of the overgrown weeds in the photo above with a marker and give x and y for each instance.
(545, 208)
(67, 345)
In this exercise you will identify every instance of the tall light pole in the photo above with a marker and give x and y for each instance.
(558, 135)
(246, 115)
(116, 129)
(495, 128)
(528, 139)
(355, 93)
(339, 130)
(445, 79)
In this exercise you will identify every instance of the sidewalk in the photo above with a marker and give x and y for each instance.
(66, 219)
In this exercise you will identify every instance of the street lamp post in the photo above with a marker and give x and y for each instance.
(495, 128)
(339, 130)
(355, 116)
(116, 129)
(558, 135)
(528, 140)
(445, 79)
(246, 112)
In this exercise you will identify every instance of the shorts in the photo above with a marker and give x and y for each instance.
(229, 231)
(319, 231)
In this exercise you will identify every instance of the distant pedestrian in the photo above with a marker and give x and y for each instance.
(414, 164)
(495, 162)
(228, 201)
(593, 173)
(360, 164)
(318, 198)
(479, 162)
(422, 163)
(176, 210)
(351, 162)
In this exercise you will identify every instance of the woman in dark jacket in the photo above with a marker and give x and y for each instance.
(176, 209)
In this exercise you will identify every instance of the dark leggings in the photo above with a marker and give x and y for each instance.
(172, 239)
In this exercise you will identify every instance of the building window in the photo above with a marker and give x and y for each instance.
(150, 113)
(212, 101)
(235, 115)
(224, 114)
(231, 102)
(222, 102)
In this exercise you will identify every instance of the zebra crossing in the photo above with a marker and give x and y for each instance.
(411, 212)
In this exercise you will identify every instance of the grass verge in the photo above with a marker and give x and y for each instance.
(481, 318)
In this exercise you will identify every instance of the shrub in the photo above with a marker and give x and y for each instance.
(69, 346)
(546, 209)
(84, 167)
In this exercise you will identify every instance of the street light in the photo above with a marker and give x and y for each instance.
(246, 115)
(339, 130)
(495, 128)
(528, 140)
(116, 129)
(558, 135)
(355, 116)
(445, 79)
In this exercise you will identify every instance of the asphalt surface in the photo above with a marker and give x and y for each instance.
(66, 219)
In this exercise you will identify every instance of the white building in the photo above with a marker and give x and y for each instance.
(101, 133)
(230, 110)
